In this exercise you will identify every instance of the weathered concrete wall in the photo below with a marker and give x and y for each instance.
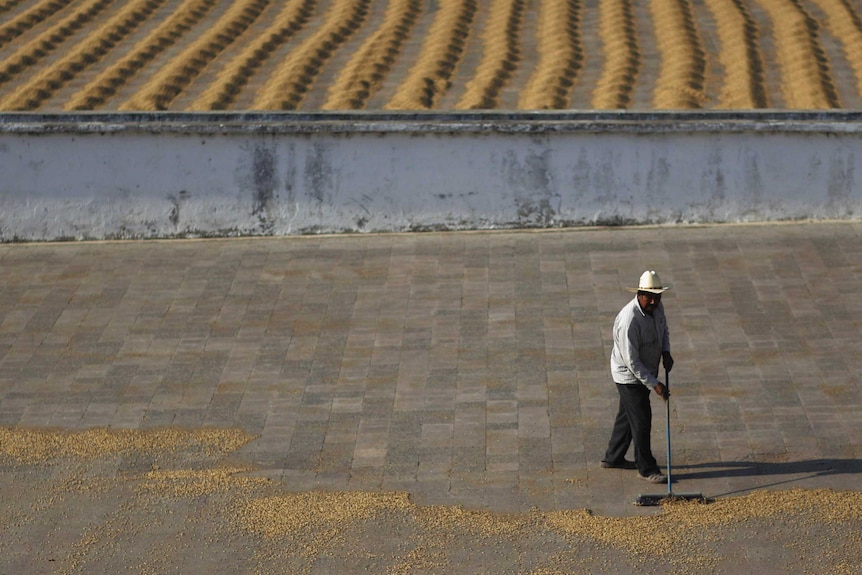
(176, 175)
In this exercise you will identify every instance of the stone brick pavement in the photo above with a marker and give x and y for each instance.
(465, 368)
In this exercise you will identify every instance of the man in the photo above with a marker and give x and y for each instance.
(641, 340)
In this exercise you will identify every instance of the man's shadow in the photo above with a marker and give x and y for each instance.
(808, 469)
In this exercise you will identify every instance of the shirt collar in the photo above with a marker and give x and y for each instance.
(637, 305)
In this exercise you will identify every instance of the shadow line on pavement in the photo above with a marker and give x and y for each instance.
(800, 470)
(724, 469)
(796, 470)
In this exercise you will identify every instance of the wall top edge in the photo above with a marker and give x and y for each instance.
(539, 122)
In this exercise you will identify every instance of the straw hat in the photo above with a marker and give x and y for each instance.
(650, 282)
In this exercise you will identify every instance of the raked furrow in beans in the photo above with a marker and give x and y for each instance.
(844, 23)
(501, 54)
(50, 79)
(682, 71)
(560, 57)
(31, 53)
(236, 75)
(28, 19)
(440, 54)
(744, 83)
(287, 88)
(7, 5)
(367, 68)
(106, 84)
(622, 58)
(172, 79)
(806, 80)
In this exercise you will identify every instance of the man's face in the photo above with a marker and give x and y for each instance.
(648, 301)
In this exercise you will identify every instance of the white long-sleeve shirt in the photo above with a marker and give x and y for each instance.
(639, 340)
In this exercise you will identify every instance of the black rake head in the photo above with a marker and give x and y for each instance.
(653, 500)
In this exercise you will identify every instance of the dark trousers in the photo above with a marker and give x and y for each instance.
(633, 423)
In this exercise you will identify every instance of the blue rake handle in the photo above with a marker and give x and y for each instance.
(667, 428)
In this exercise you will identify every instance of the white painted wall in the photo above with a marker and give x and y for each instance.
(144, 176)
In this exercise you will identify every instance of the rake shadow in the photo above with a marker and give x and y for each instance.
(792, 469)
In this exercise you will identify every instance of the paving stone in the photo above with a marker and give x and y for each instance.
(468, 369)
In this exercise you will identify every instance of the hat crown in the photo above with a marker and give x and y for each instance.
(649, 280)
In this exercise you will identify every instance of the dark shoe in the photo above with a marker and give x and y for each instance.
(656, 477)
(624, 464)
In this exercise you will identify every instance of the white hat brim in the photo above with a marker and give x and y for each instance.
(651, 290)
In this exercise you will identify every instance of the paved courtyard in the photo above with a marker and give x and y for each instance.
(464, 369)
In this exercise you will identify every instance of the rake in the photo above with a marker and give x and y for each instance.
(651, 500)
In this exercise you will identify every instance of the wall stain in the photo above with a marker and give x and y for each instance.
(257, 174)
(176, 205)
(753, 180)
(264, 177)
(657, 178)
(318, 176)
(531, 183)
(290, 180)
(841, 182)
(714, 179)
